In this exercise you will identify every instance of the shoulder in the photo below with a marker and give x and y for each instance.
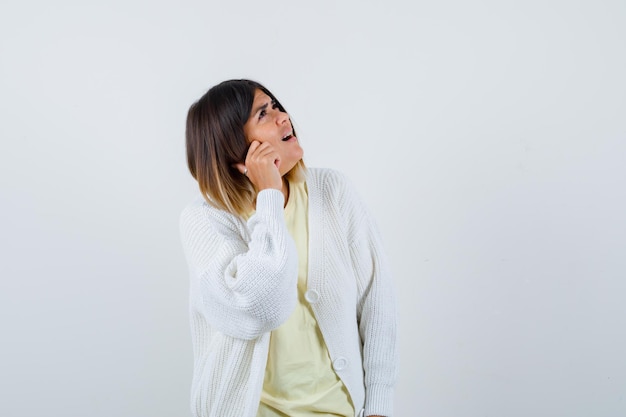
(334, 194)
(324, 174)
(195, 211)
(193, 207)
(327, 180)
(200, 215)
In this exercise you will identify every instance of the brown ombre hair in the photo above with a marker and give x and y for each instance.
(216, 142)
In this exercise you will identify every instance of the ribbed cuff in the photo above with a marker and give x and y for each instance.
(270, 202)
(379, 400)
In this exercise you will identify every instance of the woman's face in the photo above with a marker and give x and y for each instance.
(268, 124)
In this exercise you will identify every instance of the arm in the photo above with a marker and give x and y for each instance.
(375, 312)
(245, 288)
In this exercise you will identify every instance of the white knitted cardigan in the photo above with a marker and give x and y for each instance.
(243, 285)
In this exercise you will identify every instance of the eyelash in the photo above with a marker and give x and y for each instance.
(263, 112)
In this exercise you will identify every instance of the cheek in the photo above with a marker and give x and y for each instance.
(268, 135)
(257, 134)
(253, 133)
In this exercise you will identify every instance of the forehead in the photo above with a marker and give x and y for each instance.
(260, 97)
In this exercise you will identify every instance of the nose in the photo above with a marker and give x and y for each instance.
(281, 117)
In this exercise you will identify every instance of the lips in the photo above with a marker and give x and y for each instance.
(287, 137)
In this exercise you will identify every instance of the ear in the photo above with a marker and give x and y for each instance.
(241, 168)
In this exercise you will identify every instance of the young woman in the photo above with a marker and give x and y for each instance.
(292, 306)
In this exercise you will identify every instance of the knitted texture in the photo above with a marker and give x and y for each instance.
(243, 278)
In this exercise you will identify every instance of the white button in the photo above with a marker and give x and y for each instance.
(312, 296)
(340, 363)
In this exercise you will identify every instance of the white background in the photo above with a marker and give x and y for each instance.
(488, 138)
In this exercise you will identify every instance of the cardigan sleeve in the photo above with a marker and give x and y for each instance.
(244, 288)
(376, 310)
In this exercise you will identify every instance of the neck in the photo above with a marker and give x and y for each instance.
(285, 190)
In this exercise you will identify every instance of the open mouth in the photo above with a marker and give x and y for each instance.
(287, 137)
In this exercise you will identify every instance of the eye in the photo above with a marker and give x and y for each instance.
(263, 112)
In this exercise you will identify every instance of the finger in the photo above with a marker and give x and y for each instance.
(262, 156)
(252, 148)
(266, 153)
(261, 148)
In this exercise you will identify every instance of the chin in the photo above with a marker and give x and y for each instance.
(291, 166)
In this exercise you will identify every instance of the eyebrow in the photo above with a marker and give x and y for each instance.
(263, 107)
(259, 108)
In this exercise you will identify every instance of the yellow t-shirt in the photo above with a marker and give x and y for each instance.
(299, 377)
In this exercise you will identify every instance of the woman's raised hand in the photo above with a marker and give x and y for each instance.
(261, 166)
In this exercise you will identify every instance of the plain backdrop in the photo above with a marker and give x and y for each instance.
(487, 137)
